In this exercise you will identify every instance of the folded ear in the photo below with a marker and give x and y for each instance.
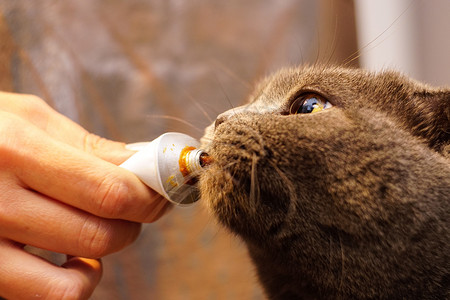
(430, 118)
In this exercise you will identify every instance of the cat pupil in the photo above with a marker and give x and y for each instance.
(309, 105)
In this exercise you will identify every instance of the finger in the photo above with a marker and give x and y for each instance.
(81, 265)
(37, 112)
(111, 151)
(75, 177)
(33, 219)
(25, 276)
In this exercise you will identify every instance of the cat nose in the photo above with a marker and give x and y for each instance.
(229, 113)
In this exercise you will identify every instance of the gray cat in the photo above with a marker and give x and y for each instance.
(338, 181)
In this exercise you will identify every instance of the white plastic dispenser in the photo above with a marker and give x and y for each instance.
(169, 165)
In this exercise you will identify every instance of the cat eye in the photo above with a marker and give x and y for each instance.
(309, 103)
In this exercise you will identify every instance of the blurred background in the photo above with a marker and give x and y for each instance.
(130, 70)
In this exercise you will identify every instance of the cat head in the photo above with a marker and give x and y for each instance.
(323, 156)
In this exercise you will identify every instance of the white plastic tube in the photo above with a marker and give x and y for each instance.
(168, 165)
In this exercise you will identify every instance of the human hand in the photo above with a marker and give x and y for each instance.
(60, 190)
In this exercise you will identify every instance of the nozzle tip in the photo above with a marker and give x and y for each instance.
(205, 159)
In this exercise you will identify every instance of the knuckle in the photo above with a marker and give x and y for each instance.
(92, 142)
(33, 99)
(96, 238)
(20, 101)
(100, 237)
(34, 103)
(31, 107)
(112, 197)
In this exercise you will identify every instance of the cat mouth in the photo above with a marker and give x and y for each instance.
(205, 160)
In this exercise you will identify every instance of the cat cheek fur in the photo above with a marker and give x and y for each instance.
(251, 187)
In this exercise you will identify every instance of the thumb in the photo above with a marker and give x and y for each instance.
(112, 151)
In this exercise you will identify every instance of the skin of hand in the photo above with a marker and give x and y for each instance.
(61, 190)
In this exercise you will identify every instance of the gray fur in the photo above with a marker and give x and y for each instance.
(348, 203)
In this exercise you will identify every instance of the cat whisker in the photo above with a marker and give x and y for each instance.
(355, 55)
(254, 185)
(330, 252)
(94, 95)
(224, 91)
(292, 210)
(316, 59)
(232, 74)
(333, 44)
(184, 192)
(207, 138)
(181, 190)
(341, 281)
(176, 119)
(215, 230)
(200, 107)
(230, 164)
